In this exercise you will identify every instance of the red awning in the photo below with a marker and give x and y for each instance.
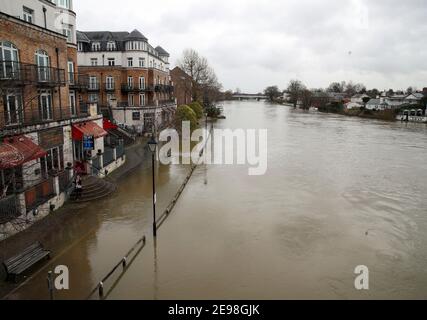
(87, 129)
(108, 125)
(16, 151)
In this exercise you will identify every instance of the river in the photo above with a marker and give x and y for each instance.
(339, 192)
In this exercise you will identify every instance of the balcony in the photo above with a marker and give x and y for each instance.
(50, 77)
(33, 116)
(163, 88)
(126, 88)
(94, 86)
(14, 73)
(79, 82)
(110, 87)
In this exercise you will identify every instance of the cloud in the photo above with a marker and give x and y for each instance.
(252, 44)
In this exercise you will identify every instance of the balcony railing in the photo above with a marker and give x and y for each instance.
(163, 88)
(110, 87)
(16, 73)
(126, 88)
(94, 86)
(36, 116)
(78, 81)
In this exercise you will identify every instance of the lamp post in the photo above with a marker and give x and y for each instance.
(152, 144)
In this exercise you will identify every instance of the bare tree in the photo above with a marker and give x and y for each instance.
(306, 99)
(205, 81)
(295, 89)
(272, 93)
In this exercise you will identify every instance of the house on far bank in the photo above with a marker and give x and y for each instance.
(377, 104)
(356, 101)
(414, 98)
(183, 86)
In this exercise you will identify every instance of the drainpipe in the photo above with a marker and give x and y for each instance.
(59, 86)
(45, 19)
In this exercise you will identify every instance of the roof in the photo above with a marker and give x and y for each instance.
(374, 101)
(416, 95)
(135, 35)
(162, 51)
(81, 37)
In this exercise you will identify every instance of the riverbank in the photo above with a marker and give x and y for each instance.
(41, 230)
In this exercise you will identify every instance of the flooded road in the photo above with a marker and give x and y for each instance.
(339, 192)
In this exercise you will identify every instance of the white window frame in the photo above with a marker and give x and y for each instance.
(130, 82)
(72, 100)
(93, 83)
(111, 62)
(109, 83)
(141, 62)
(28, 15)
(130, 62)
(131, 100)
(94, 62)
(142, 99)
(142, 83)
(46, 113)
(96, 46)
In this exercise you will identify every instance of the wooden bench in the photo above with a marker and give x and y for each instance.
(18, 264)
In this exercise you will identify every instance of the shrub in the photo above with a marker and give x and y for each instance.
(185, 113)
(197, 108)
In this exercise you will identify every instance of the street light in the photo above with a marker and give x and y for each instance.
(152, 145)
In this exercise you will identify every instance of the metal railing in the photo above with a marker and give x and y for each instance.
(108, 156)
(9, 209)
(78, 81)
(35, 115)
(18, 73)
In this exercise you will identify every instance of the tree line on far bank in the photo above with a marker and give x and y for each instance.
(298, 94)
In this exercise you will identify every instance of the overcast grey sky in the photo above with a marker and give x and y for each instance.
(253, 44)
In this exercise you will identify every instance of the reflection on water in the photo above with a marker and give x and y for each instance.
(339, 192)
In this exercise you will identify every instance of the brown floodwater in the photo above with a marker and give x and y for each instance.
(339, 192)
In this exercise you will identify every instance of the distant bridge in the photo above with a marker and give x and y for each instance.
(249, 96)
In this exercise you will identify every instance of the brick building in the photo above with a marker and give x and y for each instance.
(183, 85)
(42, 118)
(128, 78)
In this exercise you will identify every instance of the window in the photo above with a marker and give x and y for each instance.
(111, 62)
(68, 33)
(80, 46)
(71, 72)
(111, 46)
(136, 116)
(141, 62)
(13, 109)
(72, 99)
(93, 83)
(93, 97)
(63, 4)
(53, 161)
(131, 100)
(43, 62)
(130, 82)
(28, 15)
(110, 83)
(130, 62)
(45, 105)
(9, 61)
(94, 62)
(142, 99)
(141, 83)
(96, 46)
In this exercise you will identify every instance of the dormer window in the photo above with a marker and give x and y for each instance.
(96, 46)
(111, 46)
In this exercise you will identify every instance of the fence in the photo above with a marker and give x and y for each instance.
(108, 156)
(120, 150)
(8, 209)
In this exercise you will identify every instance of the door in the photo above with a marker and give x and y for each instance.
(9, 61)
(42, 61)
(46, 106)
(13, 109)
(72, 97)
